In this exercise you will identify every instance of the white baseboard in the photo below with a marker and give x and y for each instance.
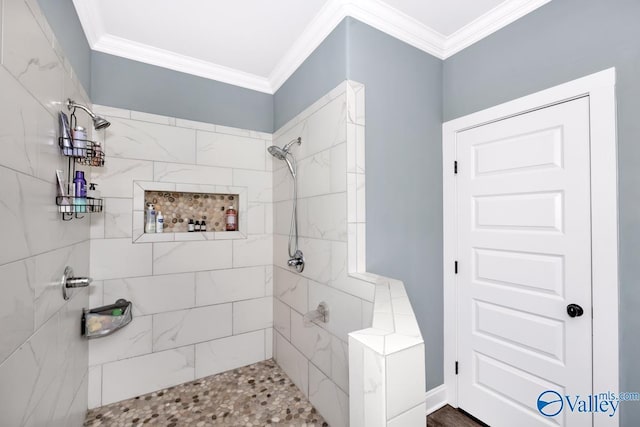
(436, 398)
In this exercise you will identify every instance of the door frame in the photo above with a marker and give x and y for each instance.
(600, 88)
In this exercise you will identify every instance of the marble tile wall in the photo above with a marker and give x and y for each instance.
(202, 302)
(43, 359)
(316, 356)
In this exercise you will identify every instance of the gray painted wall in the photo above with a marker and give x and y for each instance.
(64, 21)
(561, 41)
(403, 87)
(132, 85)
(318, 74)
(403, 158)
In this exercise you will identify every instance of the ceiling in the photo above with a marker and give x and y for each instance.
(258, 44)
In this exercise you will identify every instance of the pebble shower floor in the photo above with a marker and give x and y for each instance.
(255, 395)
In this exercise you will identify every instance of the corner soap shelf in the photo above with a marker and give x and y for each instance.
(103, 321)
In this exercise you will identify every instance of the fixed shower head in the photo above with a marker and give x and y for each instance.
(98, 122)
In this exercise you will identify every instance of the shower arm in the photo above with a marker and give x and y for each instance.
(72, 105)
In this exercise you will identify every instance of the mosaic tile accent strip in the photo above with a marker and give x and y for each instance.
(255, 395)
(177, 208)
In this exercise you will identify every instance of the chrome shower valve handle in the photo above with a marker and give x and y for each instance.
(297, 261)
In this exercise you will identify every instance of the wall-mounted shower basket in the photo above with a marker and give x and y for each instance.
(102, 321)
(84, 151)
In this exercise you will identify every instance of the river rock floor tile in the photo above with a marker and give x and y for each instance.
(255, 395)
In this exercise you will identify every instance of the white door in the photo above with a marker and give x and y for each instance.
(524, 252)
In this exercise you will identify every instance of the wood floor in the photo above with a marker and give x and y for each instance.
(448, 416)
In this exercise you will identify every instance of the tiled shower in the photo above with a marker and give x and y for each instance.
(206, 302)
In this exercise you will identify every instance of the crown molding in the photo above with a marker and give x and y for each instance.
(391, 21)
(371, 12)
(163, 58)
(325, 21)
(90, 20)
(375, 13)
(487, 24)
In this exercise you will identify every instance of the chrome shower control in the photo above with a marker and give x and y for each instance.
(69, 282)
(297, 261)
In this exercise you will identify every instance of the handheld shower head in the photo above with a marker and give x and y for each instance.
(277, 152)
(98, 122)
(282, 153)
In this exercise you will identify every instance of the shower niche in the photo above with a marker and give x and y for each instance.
(181, 204)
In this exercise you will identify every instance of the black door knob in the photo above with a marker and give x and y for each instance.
(574, 310)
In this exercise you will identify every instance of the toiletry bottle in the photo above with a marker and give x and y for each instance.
(203, 225)
(80, 192)
(92, 192)
(150, 222)
(191, 226)
(197, 227)
(232, 219)
(80, 142)
(159, 223)
(96, 159)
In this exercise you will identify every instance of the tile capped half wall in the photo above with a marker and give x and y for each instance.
(180, 282)
(332, 224)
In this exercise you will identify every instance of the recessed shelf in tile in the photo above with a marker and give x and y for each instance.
(179, 207)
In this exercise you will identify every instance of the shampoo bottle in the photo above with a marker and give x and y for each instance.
(80, 192)
(159, 222)
(232, 219)
(150, 221)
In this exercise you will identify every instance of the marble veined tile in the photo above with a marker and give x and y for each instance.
(345, 310)
(229, 353)
(254, 250)
(293, 363)
(259, 184)
(178, 328)
(27, 373)
(134, 139)
(116, 178)
(132, 340)
(313, 341)
(332, 402)
(220, 286)
(138, 375)
(253, 314)
(17, 311)
(119, 258)
(326, 217)
(95, 387)
(405, 380)
(38, 67)
(282, 318)
(191, 174)
(181, 257)
(153, 294)
(21, 127)
(117, 218)
(217, 149)
(291, 289)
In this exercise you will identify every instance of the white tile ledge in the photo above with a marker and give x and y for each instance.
(394, 325)
(189, 237)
